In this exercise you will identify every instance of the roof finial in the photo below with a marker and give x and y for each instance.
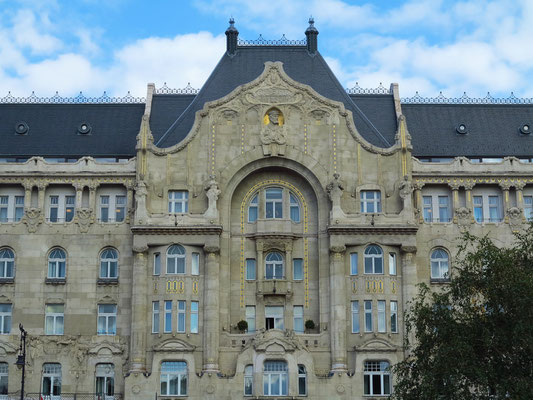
(231, 37)
(311, 34)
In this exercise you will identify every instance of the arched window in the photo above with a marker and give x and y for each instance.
(274, 266)
(7, 263)
(176, 259)
(109, 264)
(302, 380)
(249, 380)
(439, 264)
(274, 203)
(57, 260)
(275, 378)
(105, 380)
(174, 378)
(294, 208)
(373, 260)
(253, 209)
(377, 380)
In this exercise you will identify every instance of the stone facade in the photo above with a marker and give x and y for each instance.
(273, 210)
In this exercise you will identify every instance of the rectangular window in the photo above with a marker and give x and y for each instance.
(120, 208)
(178, 201)
(105, 381)
(51, 386)
(274, 317)
(194, 317)
(4, 370)
(428, 208)
(70, 201)
(112, 208)
(181, 316)
(528, 207)
(368, 316)
(494, 209)
(155, 317)
(250, 269)
(370, 201)
(104, 208)
(294, 208)
(168, 316)
(377, 380)
(249, 380)
(353, 264)
(157, 263)
(298, 269)
(252, 209)
(107, 319)
(298, 312)
(5, 318)
(394, 316)
(54, 319)
(382, 325)
(54, 208)
(19, 208)
(4, 206)
(392, 263)
(355, 316)
(302, 380)
(174, 378)
(195, 264)
(274, 203)
(478, 209)
(444, 209)
(250, 318)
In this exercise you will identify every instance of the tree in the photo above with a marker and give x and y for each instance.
(473, 338)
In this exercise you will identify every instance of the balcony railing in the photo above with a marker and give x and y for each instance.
(65, 396)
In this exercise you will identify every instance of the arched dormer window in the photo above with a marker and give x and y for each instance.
(439, 264)
(7, 263)
(109, 264)
(57, 261)
(176, 259)
(373, 260)
(274, 266)
(253, 209)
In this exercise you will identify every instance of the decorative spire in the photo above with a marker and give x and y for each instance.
(311, 34)
(231, 37)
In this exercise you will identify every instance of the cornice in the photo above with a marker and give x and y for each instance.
(369, 230)
(177, 230)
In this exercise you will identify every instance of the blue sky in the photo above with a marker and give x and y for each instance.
(119, 45)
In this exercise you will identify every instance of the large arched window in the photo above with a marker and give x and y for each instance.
(57, 260)
(109, 264)
(174, 378)
(275, 378)
(373, 260)
(439, 264)
(274, 266)
(7, 263)
(176, 259)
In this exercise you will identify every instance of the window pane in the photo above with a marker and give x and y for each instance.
(353, 264)
(298, 270)
(195, 264)
(250, 269)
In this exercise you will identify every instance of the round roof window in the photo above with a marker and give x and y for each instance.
(461, 128)
(525, 129)
(84, 128)
(21, 128)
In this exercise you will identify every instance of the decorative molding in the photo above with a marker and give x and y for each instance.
(359, 90)
(186, 90)
(177, 230)
(368, 230)
(174, 345)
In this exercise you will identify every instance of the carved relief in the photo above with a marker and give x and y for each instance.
(212, 191)
(335, 189)
(84, 219)
(515, 216)
(32, 218)
(464, 216)
(273, 135)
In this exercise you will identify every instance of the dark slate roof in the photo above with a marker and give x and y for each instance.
(53, 130)
(166, 108)
(493, 129)
(248, 63)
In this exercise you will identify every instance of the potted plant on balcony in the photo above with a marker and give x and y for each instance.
(242, 326)
(309, 325)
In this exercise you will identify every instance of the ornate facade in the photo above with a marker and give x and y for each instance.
(271, 196)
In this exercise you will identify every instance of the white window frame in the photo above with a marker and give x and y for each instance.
(381, 369)
(105, 381)
(253, 206)
(354, 263)
(302, 377)
(109, 263)
(157, 264)
(64, 201)
(250, 318)
(356, 327)
(436, 205)
(7, 263)
(394, 316)
(167, 325)
(370, 257)
(369, 323)
(298, 319)
(392, 263)
(370, 201)
(274, 262)
(155, 316)
(382, 317)
(298, 269)
(116, 205)
(275, 371)
(52, 373)
(251, 269)
(442, 264)
(175, 259)
(195, 263)
(528, 207)
(182, 316)
(483, 205)
(276, 313)
(249, 380)
(174, 370)
(54, 319)
(57, 263)
(178, 201)
(4, 380)
(11, 205)
(6, 318)
(195, 305)
(109, 319)
(294, 206)
(275, 203)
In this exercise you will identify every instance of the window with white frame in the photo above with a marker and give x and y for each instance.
(368, 316)
(373, 260)
(274, 317)
(182, 309)
(194, 317)
(109, 264)
(354, 264)
(294, 208)
(253, 209)
(155, 316)
(275, 378)
(370, 201)
(11, 205)
(195, 264)
(302, 380)
(178, 201)
(355, 316)
(528, 207)
(61, 204)
(168, 316)
(7, 263)
(382, 319)
(439, 264)
(377, 380)
(105, 381)
(392, 263)
(57, 261)
(487, 205)
(436, 205)
(54, 319)
(174, 378)
(112, 205)
(274, 265)
(176, 259)
(249, 380)
(4, 371)
(51, 380)
(157, 263)
(273, 203)
(5, 318)
(250, 269)
(394, 316)
(298, 321)
(297, 269)
(250, 318)
(107, 319)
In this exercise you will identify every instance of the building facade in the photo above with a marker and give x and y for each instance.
(137, 236)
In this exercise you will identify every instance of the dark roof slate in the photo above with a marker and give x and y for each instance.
(493, 129)
(166, 108)
(53, 130)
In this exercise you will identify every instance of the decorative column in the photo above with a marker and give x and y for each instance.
(139, 310)
(455, 199)
(28, 186)
(519, 187)
(259, 262)
(409, 281)
(129, 201)
(79, 193)
(337, 323)
(288, 261)
(505, 186)
(469, 201)
(42, 189)
(92, 196)
(211, 310)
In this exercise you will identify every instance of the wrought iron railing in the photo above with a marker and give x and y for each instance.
(186, 90)
(465, 99)
(261, 41)
(79, 99)
(359, 90)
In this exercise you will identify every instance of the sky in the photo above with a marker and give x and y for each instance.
(429, 46)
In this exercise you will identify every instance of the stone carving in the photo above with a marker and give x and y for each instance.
(464, 216)
(405, 190)
(229, 115)
(273, 341)
(335, 189)
(274, 95)
(84, 219)
(273, 135)
(32, 218)
(212, 191)
(141, 214)
(515, 216)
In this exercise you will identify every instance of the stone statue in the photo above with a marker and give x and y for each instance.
(405, 190)
(141, 214)
(273, 137)
(335, 190)
(212, 192)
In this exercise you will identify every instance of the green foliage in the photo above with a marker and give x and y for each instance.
(242, 325)
(473, 339)
(309, 324)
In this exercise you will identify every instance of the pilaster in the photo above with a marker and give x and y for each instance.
(211, 310)
(139, 310)
(338, 309)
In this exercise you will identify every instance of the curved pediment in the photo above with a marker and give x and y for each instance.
(377, 345)
(174, 345)
(276, 341)
(106, 349)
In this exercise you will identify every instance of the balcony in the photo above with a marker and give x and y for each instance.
(274, 287)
